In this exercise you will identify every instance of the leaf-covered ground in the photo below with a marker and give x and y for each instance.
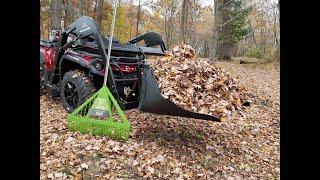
(163, 147)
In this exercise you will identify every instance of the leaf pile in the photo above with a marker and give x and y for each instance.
(197, 84)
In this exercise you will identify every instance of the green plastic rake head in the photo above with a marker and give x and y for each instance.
(100, 115)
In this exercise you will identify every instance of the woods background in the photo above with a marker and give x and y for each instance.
(217, 29)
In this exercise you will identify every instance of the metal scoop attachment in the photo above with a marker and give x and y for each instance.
(152, 101)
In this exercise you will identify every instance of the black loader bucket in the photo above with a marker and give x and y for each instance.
(152, 101)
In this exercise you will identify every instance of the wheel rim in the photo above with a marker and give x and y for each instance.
(71, 95)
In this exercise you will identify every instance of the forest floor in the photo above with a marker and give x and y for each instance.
(164, 147)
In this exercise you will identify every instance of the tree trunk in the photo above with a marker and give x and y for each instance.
(70, 12)
(191, 34)
(63, 13)
(85, 7)
(183, 22)
(100, 13)
(54, 13)
(95, 9)
(263, 40)
(41, 29)
(278, 44)
(81, 7)
(275, 34)
(254, 39)
(206, 48)
(169, 41)
(224, 46)
(275, 26)
(77, 10)
(186, 34)
(166, 24)
(217, 22)
(138, 20)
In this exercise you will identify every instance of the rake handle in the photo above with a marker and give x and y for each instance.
(110, 43)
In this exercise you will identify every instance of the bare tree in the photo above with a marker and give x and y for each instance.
(217, 22)
(81, 7)
(100, 12)
(223, 45)
(138, 19)
(70, 11)
(54, 13)
(184, 21)
(171, 19)
(166, 21)
(95, 9)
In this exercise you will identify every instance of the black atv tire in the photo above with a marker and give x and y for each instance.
(76, 87)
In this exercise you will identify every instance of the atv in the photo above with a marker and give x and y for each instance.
(72, 67)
